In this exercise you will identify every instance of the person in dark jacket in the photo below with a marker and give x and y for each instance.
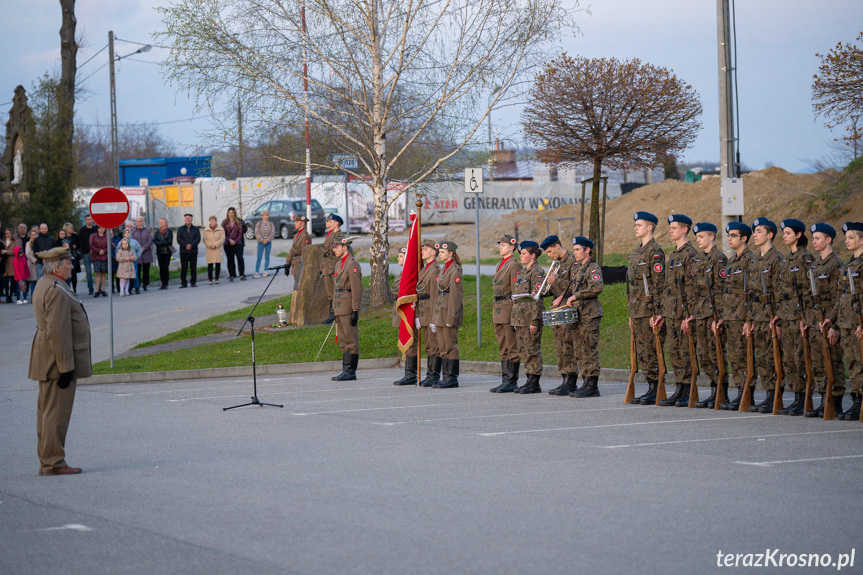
(87, 230)
(163, 239)
(188, 238)
(144, 237)
(43, 243)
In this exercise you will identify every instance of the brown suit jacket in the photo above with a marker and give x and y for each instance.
(427, 293)
(349, 287)
(503, 282)
(62, 340)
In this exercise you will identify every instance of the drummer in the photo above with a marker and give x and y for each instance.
(587, 286)
(559, 285)
(527, 318)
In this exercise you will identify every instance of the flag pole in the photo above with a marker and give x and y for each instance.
(419, 205)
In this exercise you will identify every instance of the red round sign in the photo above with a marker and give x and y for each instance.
(109, 207)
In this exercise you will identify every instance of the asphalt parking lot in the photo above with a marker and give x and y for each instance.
(367, 477)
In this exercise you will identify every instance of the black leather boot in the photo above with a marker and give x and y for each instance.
(332, 317)
(569, 387)
(837, 405)
(766, 406)
(432, 371)
(532, 386)
(733, 404)
(817, 411)
(710, 402)
(504, 376)
(678, 393)
(450, 374)
(565, 378)
(853, 413)
(684, 399)
(589, 389)
(650, 386)
(649, 398)
(796, 408)
(346, 374)
(410, 377)
(510, 378)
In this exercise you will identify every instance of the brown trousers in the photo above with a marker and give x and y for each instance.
(53, 412)
(506, 341)
(447, 342)
(349, 335)
(431, 342)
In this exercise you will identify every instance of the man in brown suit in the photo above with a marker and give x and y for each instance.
(328, 262)
(294, 261)
(346, 305)
(59, 356)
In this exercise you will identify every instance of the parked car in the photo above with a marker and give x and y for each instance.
(282, 213)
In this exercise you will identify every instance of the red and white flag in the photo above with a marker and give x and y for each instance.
(408, 289)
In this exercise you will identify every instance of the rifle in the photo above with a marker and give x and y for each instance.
(855, 297)
(633, 359)
(807, 351)
(693, 358)
(827, 400)
(746, 400)
(660, 356)
(720, 358)
(777, 354)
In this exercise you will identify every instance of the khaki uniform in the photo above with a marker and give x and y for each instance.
(448, 311)
(713, 265)
(564, 335)
(348, 298)
(646, 261)
(768, 267)
(733, 311)
(588, 285)
(844, 316)
(794, 269)
(680, 267)
(426, 298)
(328, 262)
(295, 254)
(527, 312)
(503, 280)
(397, 321)
(828, 274)
(61, 345)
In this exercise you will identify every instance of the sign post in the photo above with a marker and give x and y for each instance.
(473, 185)
(346, 162)
(109, 208)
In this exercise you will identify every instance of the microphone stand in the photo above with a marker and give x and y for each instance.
(251, 321)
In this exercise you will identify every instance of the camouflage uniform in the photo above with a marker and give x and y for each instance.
(525, 313)
(680, 267)
(734, 312)
(647, 260)
(588, 284)
(768, 267)
(713, 264)
(844, 317)
(564, 335)
(503, 280)
(793, 270)
(828, 274)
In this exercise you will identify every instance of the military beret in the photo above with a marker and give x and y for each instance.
(680, 219)
(704, 227)
(764, 222)
(507, 239)
(582, 241)
(528, 244)
(646, 216)
(548, 242)
(301, 219)
(448, 245)
(344, 240)
(403, 251)
(739, 227)
(54, 254)
(852, 226)
(795, 225)
(430, 244)
(336, 218)
(823, 228)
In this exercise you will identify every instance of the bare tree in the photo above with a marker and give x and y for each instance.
(438, 59)
(66, 92)
(92, 150)
(601, 111)
(837, 90)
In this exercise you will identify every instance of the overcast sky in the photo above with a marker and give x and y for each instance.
(776, 40)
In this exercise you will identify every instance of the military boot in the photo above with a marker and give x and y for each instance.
(649, 398)
(837, 405)
(410, 377)
(766, 406)
(817, 411)
(733, 404)
(589, 389)
(346, 374)
(710, 402)
(684, 399)
(432, 371)
(532, 386)
(853, 413)
(569, 387)
(796, 408)
(678, 393)
(504, 376)
(563, 382)
(511, 378)
(450, 374)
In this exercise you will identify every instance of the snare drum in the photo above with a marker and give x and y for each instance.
(560, 316)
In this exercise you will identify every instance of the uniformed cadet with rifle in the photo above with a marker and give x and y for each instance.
(294, 261)
(410, 377)
(826, 356)
(347, 301)
(763, 280)
(559, 286)
(848, 316)
(647, 282)
(588, 284)
(328, 262)
(527, 318)
(502, 282)
(448, 313)
(426, 298)
(677, 302)
(709, 270)
(734, 308)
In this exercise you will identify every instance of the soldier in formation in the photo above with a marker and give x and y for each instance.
(328, 261)
(410, 377)
(526, 319)
(559, 286)
(294, 261)
(501, 318)
(426, 300)
(448, 313)
(587, 285)
(347, 300)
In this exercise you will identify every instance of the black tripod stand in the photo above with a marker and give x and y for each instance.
(251, 321)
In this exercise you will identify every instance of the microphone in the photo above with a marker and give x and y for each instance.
(279, 267)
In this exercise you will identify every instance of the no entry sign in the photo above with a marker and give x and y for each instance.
(109, 207)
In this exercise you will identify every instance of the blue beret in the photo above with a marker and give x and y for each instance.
(825, 229)
(795, 225)
(336, 218)
(528, 244)
(680, 219)
(704, 227)
(764, 222)
(646, 216)
(582, 241)
(852, 226)
(548, 242)
(740, 227)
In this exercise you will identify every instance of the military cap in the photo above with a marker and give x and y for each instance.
(548, 242)
(430, 244)
(852, 226)
(336, 218)
(507, 239)
(739, 227)
(680, 219)
(403, 251)
(528, 244)
(448, 245)
(795, 225)
(823, 228)
(582, 241)
(344, 240)
(299, 218)
(646, 216)
(704, 227)
(54, 254)
(764, 222)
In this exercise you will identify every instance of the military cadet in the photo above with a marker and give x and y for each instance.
(448, 313)
(347, 300)
(559, 285)
(328, 262)
(410, 377)
(646, 262)
(764, 272)
(426, 298)
(709, 266)
(846, 316)
(826, 274)
(294, 261)
(732, 307)
(793, 280)
(60, 355)
(502, 281)
(587, 285)
(527, 319)
(679, 295)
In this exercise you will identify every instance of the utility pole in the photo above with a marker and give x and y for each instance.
(115, 168)
(726, 112)
(306, 109)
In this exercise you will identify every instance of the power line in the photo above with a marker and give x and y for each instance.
(144, 61)
(140, 43)
(91, 74)
(192, 119)
(105, 47)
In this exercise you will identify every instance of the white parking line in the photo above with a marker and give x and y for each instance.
(312, 391)
(772, 463)
(503, 415)
(495, 433)
(727, 438)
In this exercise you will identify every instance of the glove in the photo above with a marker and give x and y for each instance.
(417, 322)
(288, 270)
(65, 379)
(433, 327)
(355, 316)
